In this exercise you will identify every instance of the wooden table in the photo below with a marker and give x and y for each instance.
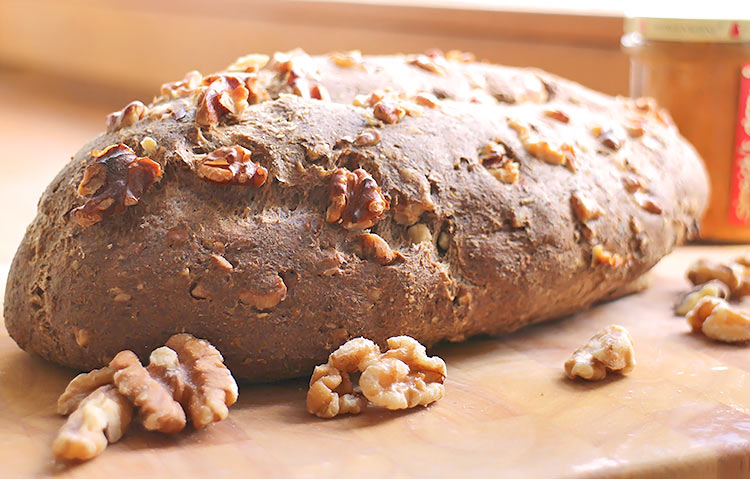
(684, 412)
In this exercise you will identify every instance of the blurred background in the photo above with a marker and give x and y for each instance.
(64, 65)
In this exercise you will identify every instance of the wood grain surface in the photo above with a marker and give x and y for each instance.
(684, 412)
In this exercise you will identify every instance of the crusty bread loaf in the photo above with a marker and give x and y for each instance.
(279, 209)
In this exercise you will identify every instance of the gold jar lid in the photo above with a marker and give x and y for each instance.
(707, 30)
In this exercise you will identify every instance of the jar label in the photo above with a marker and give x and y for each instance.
(739, 205)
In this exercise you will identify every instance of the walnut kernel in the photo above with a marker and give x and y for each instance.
(585, 208)
(81, 386)
(378, 249)
(356, 200)
(159, 411)
(401, 377)
(611, 349)
(185, 87)
(266, 299)
(719, 320)
(132, 113)
(348, 59)
(388, 112)
(249, 63)
(368, 137)
(703, 271)
(231, 165)
(221, 96)
(602, 256)
(713, 288)
(404, 376)
(101, 418)
(115, 180)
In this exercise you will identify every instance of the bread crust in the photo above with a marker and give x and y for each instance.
(280, 287)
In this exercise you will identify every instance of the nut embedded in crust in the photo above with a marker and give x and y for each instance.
(117, 179)
(585, 208)
(611, 349)
(132, 113)
(221, 96)
(231, 165)
(356, 200)
(378, 249)
(602, 256)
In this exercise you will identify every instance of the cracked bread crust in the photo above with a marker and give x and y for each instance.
(502, 255)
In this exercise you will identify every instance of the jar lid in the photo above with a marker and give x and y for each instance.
(689, 29)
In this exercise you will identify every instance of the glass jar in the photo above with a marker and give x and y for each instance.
(699, 70)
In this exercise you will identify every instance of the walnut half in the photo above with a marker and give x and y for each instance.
(720, 321)
(356, 200)
(611, 349)
(117, 179)
(101, 418)
(188, 373)
(231, 165)
(402, 377)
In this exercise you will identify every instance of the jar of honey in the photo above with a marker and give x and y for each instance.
(699, 70)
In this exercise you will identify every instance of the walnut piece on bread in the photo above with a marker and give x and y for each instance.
(609, 350)
(378, 249)
(221, 95)
(101, 418)
(115, 180)
(231, 165)
(132, 113)
(356, 200)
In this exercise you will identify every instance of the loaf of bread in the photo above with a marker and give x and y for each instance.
(286, 205)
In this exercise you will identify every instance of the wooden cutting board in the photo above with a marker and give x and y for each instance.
(684, 412)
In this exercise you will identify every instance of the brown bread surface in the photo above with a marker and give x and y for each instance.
(261, 274)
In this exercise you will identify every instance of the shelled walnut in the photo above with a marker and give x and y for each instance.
(186, 375)
(554, 154)
(101, 418)
(496, 157)
(220, 96)
(132, 113)
(713, 288)
(609, 350)
(602, 256)
(720, 321)
(402, 377)
(356, 200)
(179, 89)
(378, 249)
(731, 274)
(115, 180)
(231, 165)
